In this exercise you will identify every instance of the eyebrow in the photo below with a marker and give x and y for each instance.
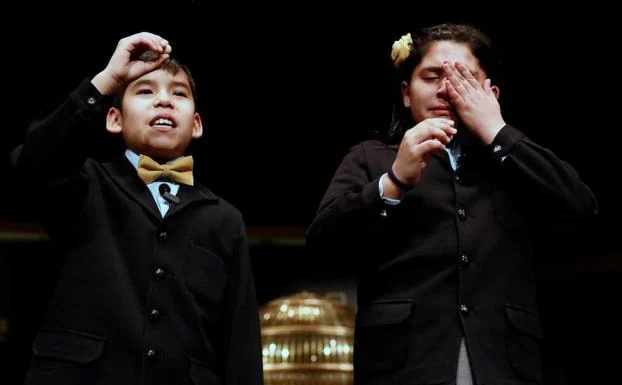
(181, 84)
(142, 82)
(149, 82)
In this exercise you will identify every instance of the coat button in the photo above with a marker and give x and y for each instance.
(464, 309)
(458, 178)
(163, 236)
(462, 214)
(154, 314)
(464, 260)
(159, 273)
(383, 213)
(151, 354)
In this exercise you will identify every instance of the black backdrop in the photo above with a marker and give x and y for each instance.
(285, 91)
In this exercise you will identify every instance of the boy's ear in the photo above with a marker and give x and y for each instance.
(197, 126)
(114, 120)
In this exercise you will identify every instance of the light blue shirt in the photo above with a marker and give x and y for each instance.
(163, 204)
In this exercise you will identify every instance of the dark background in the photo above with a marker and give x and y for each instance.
(284, 92)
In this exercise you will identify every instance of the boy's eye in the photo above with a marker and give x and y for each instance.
(143, 91)
(180, 93)
(431, 77)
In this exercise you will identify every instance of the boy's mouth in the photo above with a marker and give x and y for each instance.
(163, 123)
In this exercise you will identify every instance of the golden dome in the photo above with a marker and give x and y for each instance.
(307, 340)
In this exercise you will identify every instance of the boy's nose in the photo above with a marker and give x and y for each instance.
(163, 99)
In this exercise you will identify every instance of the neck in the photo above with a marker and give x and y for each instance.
(158, 157)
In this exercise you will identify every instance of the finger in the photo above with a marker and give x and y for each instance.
(454, 95)
(446, 125)
(158, 43)
(443, 121)
(461, 80)
(467, 75)
(452, 75)
(428, 148)
(140, 46)
(443, 134)
(429, 128)
(432, 133)
(149, 45)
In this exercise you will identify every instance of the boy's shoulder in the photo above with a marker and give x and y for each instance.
(207, 193)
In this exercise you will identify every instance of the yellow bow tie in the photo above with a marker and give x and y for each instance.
(179, 170)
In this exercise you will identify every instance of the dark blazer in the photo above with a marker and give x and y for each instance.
(454, 259)
(141, 299)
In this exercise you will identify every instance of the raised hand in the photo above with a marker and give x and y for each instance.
(476, 104)
(418, 144)
(134, 56)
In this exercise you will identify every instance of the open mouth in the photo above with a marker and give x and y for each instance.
(163, 123)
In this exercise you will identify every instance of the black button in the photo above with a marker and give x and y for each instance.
(154, 314)
(163, 236)
(458, 178)
(159, 273)
(164, 188)
(462, 214)
(464, 309)
(151, 354)
(464, 259)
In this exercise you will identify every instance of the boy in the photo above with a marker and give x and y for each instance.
(156, 285)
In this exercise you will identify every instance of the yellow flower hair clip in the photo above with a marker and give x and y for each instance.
(401, 50)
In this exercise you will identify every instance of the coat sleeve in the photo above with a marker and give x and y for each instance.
(58, 141)
(57, 144)
(549, 189)
(351, 208)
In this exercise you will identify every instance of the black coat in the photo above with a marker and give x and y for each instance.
(141, 299)
(454, 259)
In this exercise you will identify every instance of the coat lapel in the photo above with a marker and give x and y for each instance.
(443, 157)
(125, 176)
(189, 195)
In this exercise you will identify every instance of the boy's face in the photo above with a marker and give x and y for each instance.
(157, 117)
(426, 95)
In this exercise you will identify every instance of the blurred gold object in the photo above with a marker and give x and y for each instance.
(307, 340)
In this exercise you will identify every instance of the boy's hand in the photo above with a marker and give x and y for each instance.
(134, 56)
